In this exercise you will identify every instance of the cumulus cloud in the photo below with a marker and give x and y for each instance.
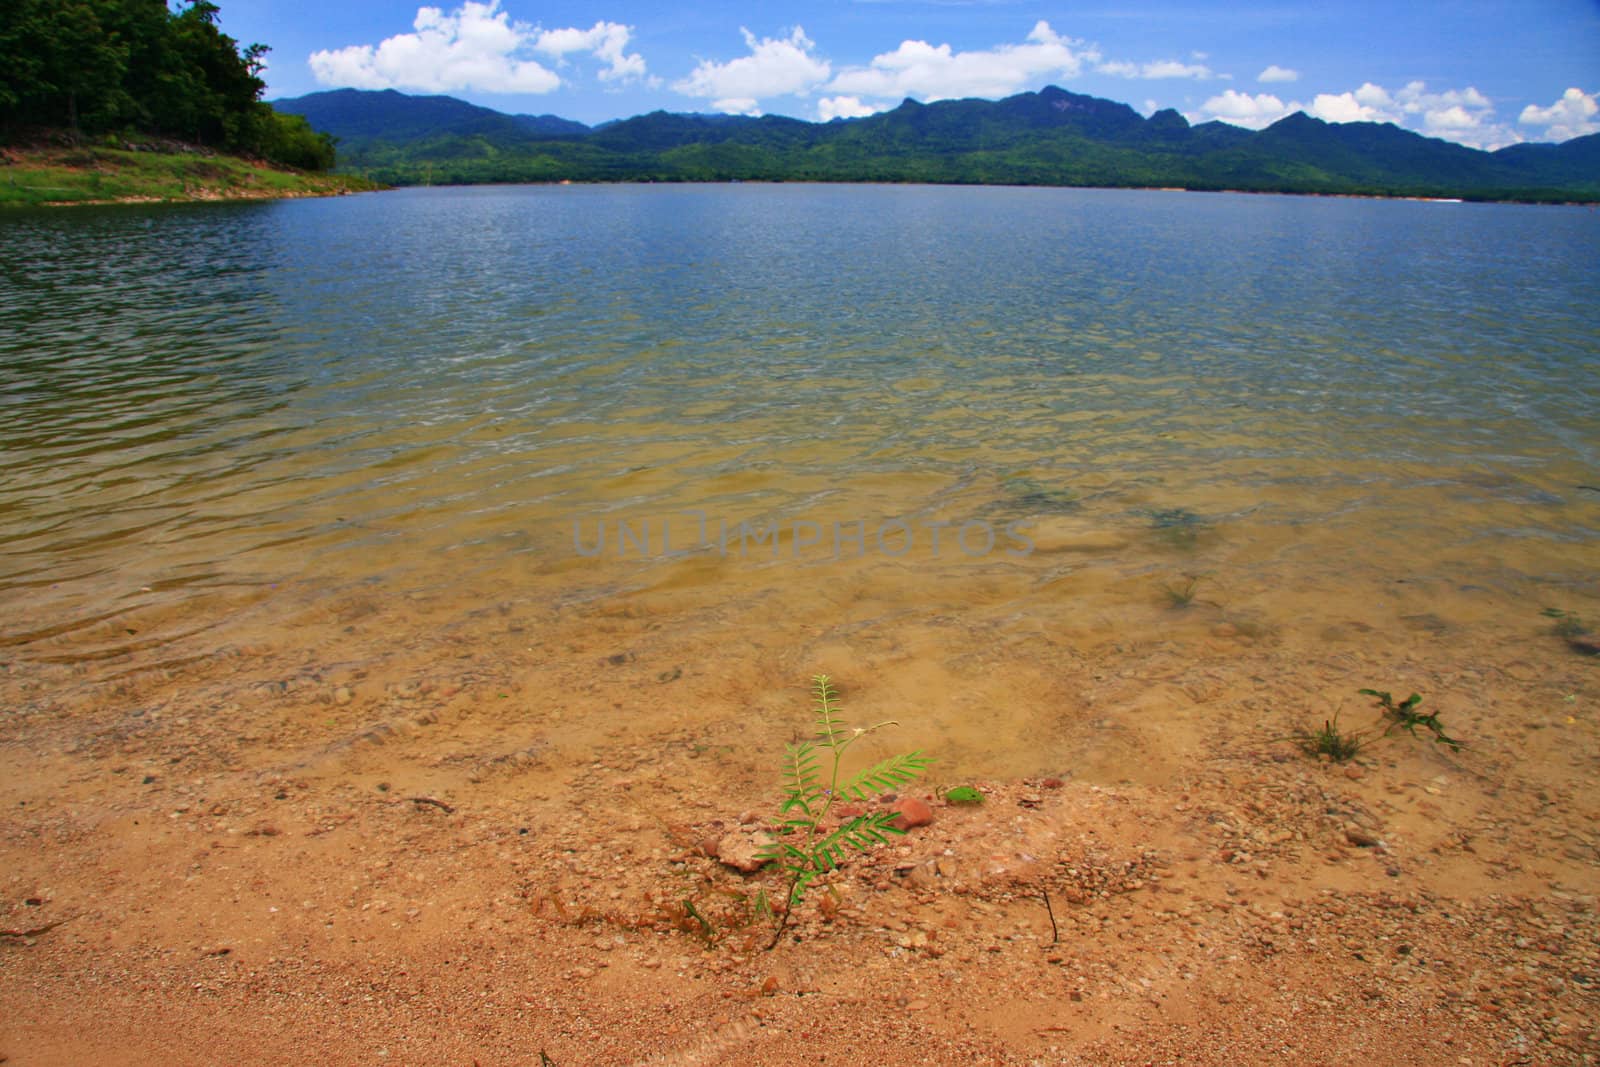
(1462, 115)
(776, 66)
(844, 107)
(931, 72)
(1577, 113)
(1242, 109)
(476, 46)
(607, 41)
(1275, 73)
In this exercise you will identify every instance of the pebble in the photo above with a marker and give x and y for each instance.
(913, 812)
(1359, 837)
(742, 851)
(342, 695)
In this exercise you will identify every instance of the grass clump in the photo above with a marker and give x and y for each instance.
(1342, 746)
(1338, 745)
(805, 850)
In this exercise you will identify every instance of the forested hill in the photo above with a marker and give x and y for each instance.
(1052, 137)
(93, 67)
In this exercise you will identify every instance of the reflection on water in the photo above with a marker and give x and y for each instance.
(1328, 408)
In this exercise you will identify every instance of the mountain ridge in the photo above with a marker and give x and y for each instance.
(1048, 137)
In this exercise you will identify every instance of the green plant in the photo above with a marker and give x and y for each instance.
(1341, 746)
(1179, 527)
(1567, 623)
(812, 786)
(1405, 716)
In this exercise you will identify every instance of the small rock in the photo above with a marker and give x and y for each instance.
(917, 1005)
(1052, 783)
(913, 812)
(342, 695)
(1354, 771)
(742, 851)
(1359, 837)
(770, 986)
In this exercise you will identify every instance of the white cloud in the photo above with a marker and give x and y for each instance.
(1462, 115)
(1465, 116)
(844, 107)
(776, 66)
(1166, 68)
(1342, 107)
(1241, 109)
(1577, 113)
(476, 46)
(1170, 68)
(607, 41)
(928, 72)
(1275, 73)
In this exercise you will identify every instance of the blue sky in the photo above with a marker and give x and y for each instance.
(1481, 72)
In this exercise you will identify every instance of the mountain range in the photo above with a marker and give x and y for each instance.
(1051, 137)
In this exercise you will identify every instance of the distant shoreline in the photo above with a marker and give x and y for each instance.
(1415, 197)
(99, 175)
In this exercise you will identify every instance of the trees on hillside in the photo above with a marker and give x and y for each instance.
(108, 65)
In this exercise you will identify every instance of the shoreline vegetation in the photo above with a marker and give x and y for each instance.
(118, 170)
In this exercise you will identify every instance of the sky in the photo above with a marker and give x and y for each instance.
(1485, 73)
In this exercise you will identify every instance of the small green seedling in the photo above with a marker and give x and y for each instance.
(963, 794)
(1405, 716)
(804, 851)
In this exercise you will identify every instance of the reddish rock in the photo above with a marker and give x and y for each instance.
(913, 812)
(1052, 783)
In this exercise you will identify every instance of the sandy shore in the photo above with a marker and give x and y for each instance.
(226, 861)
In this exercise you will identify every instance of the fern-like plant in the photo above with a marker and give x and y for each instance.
(805, 850)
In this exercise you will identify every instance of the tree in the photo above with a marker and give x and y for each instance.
(98, 65)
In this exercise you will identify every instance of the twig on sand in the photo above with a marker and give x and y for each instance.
(35, 932)
(441, 805)
(1055, 934)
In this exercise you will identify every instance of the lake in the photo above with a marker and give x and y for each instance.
(1059, 479)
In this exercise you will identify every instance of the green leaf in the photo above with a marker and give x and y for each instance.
(881, 777)
(963, 794)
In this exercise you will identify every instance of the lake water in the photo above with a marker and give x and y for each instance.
(1198, 466)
